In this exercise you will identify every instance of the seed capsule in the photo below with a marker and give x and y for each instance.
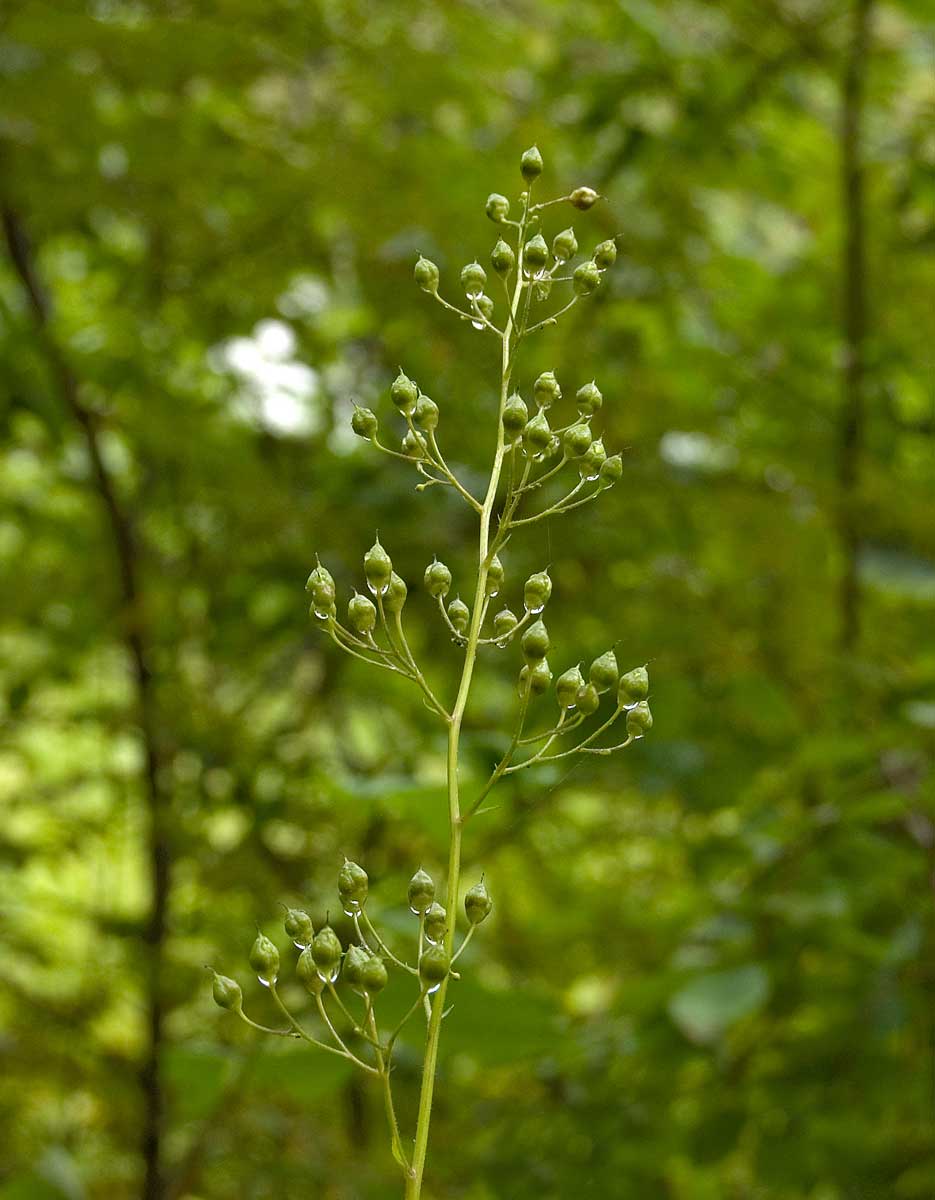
(485, 307)
(404, 393)
(588, 399)
(307, 972)
(227, 993)
(504, 622)
(589, 466)
(426, 275)
(325, 614)
(588, 701)
(542, 288)
(612, 470)
(540, 677)
(555, 444)
(354, 962)
(459, 615)
(546, 389)
(373, 976)
(639, 720)
(537, 434)
(567, 687)
(531, 164)
(604, 671)
(584, 198)
(586, 278)
(477, 903)
(421, 891)
(434, 965)
(633, 686)
(378, 567)
(605, 255)
(537, 591)
(414, 445)
(536, 642)
(577, 439)
(437, 579)
(494, 576)
(436, 922)
(473, 279)
(352, 886)
(535, 254)
(564, 245)
(515, 416)
(396, 594)
(425, 414)
(264, 958)
(320, 581)
(502, 258)
(498, 207)
(298, 926)
(326, 950)
(364, 422)
(361, 614)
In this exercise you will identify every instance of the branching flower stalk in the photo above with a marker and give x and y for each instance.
(529, 454)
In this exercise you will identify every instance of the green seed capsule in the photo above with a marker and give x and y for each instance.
(639, 720)
(404, 393)
(485, 307)
(564, 245)
(320, 581)
(612, 470)
(307, 972)
(540, 677)
(577, 439)
(425, 414)
(504, 622)
(552, 449)
(588, 700)
(604, 672)
(588, 399)
(477, 903)
(633, 686)
(605, 255)
(515, 416)
(396, 594)
(542, 289)
(536, 642)
(459, 615)
(378, 567)
(298, 926)
(436, 922)
(434, 965)
(567, 687)
(473, 279)
(583, 198)
(535, 254)
(546, 389)
(537, 591)
(324, 614)
(494, 576)
(437, 579)
(586, 278)
(227, 993)
(530, 164)
(364, 422)
(352, 887)
(326, 950)
(361, 614)
(537, 434)
(589, 465)
(354, 962)
(264, 958)
(421, 891)
(498, 207)
(426, 275)
(502, 258)
(373, 976)
(414, 445)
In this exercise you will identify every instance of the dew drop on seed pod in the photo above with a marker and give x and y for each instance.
(477, 324)
(351, 909)
(536, 610)
(328, 976)
(505, 643)
(265, 982)
(299, 945)
(430, 991)
(321, 613)
(591, 476)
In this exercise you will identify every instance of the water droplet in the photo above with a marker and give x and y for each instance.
(434, 989)
(493, 590)
(538, 609)
(300, 945)
(415, 912)
(328, 977)
(266, 982)
(322, 614)
(591, 477)
(502, 645)
(351, 908)
(478, 324)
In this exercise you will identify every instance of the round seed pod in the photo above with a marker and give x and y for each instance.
(639, 720)
(477, 903)
(437, 579)
(361, 614)
(425, 414)
(364, 422)
(227, 993)
(564, 245)
(502, 258)
(264, 958)
(611, 470)
(504, 622)
(354, 962)
(414, 445)
(324, 614)
(307, 973)
(535, 254)
(589, 465)
(373, 976)
(634, 685)
(604, 671)
(515, 416)
(586, 278)
(497, 207)
(320, 584)
(546, 389)
(485, 307)
(552, 449)
(494, 576)
(567, 687)
(378, 567)
(605, 255)
(421, 891)
(298, 926)
(537, 434)
(588, 700)
(396, 593)
(434, 965)
(537, 591)
(326, 950)
(352, 886)
(577, 439)
(588, 399)
(540, 677)
(530, 164)
(536, 642)
(584, 198)
(459, 614)
(436, 922)
(473, 279)
(426, 275)
(404, 393)
(542, 288)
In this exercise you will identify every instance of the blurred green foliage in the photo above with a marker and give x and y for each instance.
(710, 972)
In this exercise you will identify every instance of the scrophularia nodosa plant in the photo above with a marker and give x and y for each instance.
(345, 982)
